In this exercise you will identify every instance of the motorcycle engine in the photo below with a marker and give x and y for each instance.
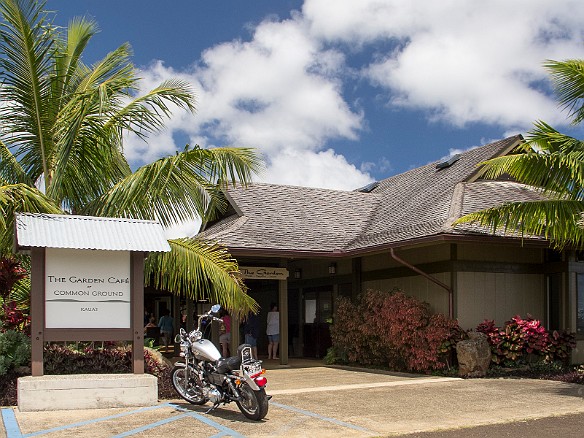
(213, 394)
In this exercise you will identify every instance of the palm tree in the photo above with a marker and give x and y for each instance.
(63, 125)
(550, 161)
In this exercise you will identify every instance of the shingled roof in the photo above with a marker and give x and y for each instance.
(417, 204)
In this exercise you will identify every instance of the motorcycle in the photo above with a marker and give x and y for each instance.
(204, 376)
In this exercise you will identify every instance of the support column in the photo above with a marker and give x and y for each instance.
(137, 293)
(190, 314)
(357, 278)
(37, 310)
(235, 321)
(454, 279)
(283, 299)
(175, 313)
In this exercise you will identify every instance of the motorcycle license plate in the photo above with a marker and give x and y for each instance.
(252, 368)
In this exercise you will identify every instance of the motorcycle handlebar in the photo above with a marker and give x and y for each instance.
(208, 315)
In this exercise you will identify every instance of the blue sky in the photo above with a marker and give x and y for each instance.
(338, 93)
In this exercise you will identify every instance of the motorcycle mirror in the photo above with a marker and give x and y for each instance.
(215, 308)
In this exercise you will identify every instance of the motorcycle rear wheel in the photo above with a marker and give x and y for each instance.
(253, 404)
(191, 391)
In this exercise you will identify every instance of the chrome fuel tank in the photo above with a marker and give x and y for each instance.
(206, 350)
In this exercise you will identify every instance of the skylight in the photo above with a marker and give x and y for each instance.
(448, 163)
(369, 187)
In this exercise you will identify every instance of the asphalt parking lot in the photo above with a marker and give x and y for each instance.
(321, 401)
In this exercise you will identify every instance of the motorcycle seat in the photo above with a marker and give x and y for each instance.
(227, 364)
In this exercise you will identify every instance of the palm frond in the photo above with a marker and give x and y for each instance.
(545, 138)
(233, 166)
(175, 188)
(556, 220)
(559, 174)
(19, 198)
(147, 113)
(11, 172)
(21, 294)
(199, 270)
(67, 61)
(26, 43)
(568, 79)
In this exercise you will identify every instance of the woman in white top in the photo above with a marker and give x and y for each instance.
(273, 331)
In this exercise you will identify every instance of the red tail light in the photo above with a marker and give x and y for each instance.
(261, 381)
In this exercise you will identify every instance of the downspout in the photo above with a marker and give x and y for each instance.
(429, 277)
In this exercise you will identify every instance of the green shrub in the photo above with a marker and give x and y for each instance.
(69, 359)
(14, 350)
(392, 330)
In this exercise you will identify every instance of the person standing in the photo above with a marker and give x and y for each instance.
(273, 331)
(251, 330)
(166, 325)
(225, 336)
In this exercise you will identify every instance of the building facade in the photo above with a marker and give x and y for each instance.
(398, 233)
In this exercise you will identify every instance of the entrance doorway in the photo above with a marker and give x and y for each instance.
(318, 311)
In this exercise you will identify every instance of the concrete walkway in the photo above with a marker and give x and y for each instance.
(310, 399)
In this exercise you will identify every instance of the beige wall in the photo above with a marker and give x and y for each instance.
(578, 352)
(499, 253)
(415, 256)
(498, 296)
(418, 287)
(480, 295)
(319, 268)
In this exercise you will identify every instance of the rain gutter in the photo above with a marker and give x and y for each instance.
(429, 277)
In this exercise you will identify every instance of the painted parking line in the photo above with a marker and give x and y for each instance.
(418, 381)
(17, 433)
(222, 429)
(323, 418)
(10, 424)
(13, 430)
(151, 426)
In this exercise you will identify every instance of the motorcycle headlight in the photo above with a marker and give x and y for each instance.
(195, 335)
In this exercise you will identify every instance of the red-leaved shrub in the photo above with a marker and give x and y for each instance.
(520, 338)
(394, 330)
(13, 316)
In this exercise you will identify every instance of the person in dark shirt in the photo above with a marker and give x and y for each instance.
(251, 330)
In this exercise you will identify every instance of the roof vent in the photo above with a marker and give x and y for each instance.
(448, 163)
(369, 187)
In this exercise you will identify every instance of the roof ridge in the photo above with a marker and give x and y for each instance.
(505, 143)
(371, 217)
(290, 186)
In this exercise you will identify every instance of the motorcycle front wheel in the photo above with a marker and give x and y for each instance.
(191, 391)
(253, 404)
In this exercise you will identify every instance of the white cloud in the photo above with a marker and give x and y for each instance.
(324, 169)
(282, 90)
(276, 93)
(461, 61)
(184, 229)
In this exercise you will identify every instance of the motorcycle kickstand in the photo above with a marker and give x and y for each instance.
(212, 408)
